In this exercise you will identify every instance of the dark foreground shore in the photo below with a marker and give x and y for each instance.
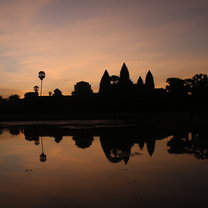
(147, 118)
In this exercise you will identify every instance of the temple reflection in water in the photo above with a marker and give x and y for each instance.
(117, 142)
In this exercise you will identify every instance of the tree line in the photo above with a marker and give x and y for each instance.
(123, 85)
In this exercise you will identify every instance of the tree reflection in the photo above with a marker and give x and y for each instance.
(43, 157)
(83, 139)
(195, 144)
(14, 130)
(117, 143)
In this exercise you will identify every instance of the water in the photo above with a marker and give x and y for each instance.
(102, 165)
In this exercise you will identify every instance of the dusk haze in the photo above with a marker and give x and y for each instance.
(103, 104)
(76, 40)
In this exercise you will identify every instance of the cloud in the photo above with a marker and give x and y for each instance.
(78, 40)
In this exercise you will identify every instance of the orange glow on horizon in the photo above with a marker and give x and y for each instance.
(73, 41)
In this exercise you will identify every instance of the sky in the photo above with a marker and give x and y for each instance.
(76, 40)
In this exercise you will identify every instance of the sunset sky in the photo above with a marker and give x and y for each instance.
(75, 40)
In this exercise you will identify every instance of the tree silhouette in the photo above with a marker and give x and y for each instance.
(14, 98)
(176, 86)
(57, 92)
(36, 88)
(104, 83)
(30, 95)
(197, 85)
(41, 75)
(82, 89)
(149, 81)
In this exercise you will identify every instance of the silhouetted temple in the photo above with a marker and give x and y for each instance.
(122, 85)
(117, 95)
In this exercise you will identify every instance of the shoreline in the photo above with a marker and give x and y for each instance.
(148, 118)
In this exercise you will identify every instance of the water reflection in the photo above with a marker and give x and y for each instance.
(58, 166)
(194, 143)
(13, 130)
(117, 143)
(43, 156)
(83, 139)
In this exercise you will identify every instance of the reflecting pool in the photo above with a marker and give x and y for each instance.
(102, 165)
